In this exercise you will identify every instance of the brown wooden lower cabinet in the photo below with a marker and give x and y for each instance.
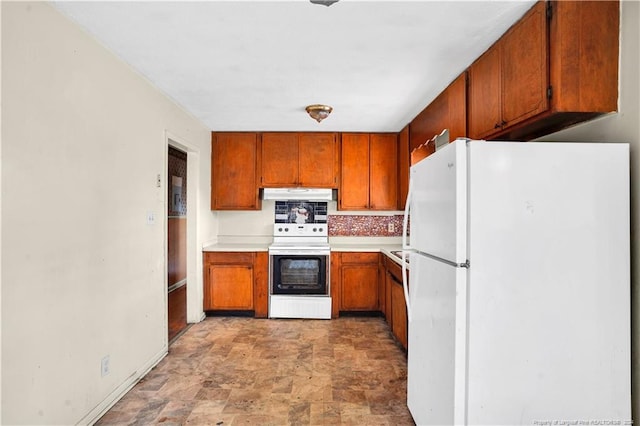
(396, 313)
(236, 281)
(399, 313)
(261, 284)
(358, 282)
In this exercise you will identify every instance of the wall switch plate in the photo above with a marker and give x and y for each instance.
(390, 227)
(104, 366)
(159, 180)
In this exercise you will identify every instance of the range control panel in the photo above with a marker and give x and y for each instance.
(300, 230)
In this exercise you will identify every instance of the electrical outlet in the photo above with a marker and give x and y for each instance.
(391, 227)
(151, 218)
(104, 366)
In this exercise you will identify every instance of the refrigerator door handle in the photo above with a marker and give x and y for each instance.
(405, 247)
(465, 264)
(405, 285)
(405, 221)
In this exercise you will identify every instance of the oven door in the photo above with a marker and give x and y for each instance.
(299, 274)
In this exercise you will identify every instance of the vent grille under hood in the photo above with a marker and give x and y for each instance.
(309, 194)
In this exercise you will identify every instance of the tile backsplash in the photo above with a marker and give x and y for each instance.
(365, 226)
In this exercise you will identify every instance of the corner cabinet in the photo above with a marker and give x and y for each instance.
(369, 171)
(234, 171)
(236, 281)
(447, 111)
(299, 160)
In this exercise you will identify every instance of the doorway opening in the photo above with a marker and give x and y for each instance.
(176, 242)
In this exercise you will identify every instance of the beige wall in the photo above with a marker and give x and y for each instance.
(624, 127)
(83, 274)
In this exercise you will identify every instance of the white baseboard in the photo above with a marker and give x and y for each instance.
(94, 415)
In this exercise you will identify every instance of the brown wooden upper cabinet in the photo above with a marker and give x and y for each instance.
(369, 171)
(555, 67)
(404, 163)
(234, 174)
(299, 160)
(509, 82)
(447, 111)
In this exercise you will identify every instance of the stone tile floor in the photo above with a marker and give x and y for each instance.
(244, 371)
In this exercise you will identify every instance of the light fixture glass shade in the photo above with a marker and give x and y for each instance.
(324, 2)
(319, 112)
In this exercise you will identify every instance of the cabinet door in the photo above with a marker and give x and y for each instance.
(382, 296)
(584, 57)
(398, 313)
(318, 162)
(457, 108)
(336, 283)
(485, 85)
(229, 287)
(383, 172)
(261, 284)
(234, 184)
(524, 73)
(404, 162)
(447, 111)
(354, 171)
(359, 287)
(279, 159)
(388, 284)
(359, 282)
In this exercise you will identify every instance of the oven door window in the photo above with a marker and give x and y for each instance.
(299, 275)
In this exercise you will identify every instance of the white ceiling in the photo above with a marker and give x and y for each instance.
(255, 65)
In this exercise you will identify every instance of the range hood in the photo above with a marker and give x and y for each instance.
(308, 194)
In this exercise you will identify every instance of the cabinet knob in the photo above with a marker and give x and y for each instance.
(497, 126)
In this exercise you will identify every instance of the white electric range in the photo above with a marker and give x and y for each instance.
(299, 261)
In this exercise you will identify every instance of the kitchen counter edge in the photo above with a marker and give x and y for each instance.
(386, 249)
(239, 247)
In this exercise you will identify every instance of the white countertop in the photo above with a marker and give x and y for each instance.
(236, 247)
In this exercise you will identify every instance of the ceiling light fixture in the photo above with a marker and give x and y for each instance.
(319, 112)
(324, 2)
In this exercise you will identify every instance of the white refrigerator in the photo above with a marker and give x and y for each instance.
(519, 285)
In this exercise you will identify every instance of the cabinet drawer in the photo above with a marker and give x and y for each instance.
(348, 257)
(228, 257)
